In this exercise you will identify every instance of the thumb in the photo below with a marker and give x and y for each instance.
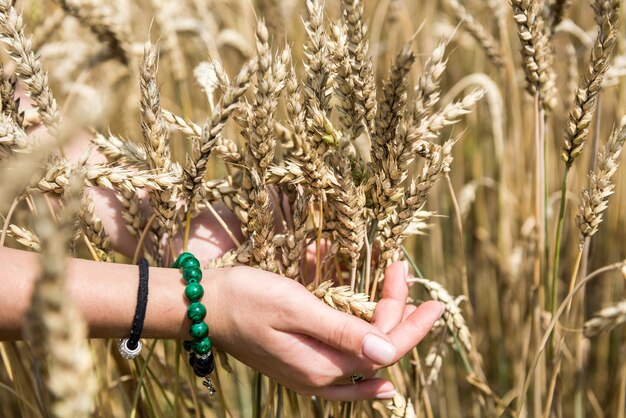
(343, 331)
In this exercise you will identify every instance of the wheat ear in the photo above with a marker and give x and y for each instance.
(99, 20)
(605, 320)
(536, 51)
(594, 199)
(577, 127)
(29, 68)
(485, 39)
(10, 103)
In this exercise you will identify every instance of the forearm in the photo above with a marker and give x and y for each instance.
(105, 294)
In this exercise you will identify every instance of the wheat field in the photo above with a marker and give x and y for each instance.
(480, 141)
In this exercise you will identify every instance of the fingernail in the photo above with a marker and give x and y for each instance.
(405, 263)
(386, 395)
(378, 350)
(442, 309)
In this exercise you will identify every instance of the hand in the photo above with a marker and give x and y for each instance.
(276, 326)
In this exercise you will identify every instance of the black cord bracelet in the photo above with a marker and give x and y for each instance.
(131, 347)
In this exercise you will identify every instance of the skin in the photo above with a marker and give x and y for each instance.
(278, 328)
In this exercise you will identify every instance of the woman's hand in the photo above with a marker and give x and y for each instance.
(276, 326)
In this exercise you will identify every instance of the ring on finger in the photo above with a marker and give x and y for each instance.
(356, 378)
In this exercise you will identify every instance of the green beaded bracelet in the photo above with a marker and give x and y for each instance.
(201, 357)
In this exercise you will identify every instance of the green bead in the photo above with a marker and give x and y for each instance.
(194, 291)
(193, 274)
(181, 258)
(202, 346)
(189, 262)
(199, 330)
(196, 312)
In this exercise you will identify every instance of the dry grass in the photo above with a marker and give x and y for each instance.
(349, 113)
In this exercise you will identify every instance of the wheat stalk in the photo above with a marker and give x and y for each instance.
(54, 327)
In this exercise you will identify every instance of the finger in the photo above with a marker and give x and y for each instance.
(345, 332)
(411, 331)
(313, 363)
(408, 310)
(390, 307)
(367, 389)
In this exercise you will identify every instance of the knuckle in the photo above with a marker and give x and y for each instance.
(318, 381)
(339, 335)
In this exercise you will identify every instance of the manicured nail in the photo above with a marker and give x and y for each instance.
(405, 263)
(386, 395)
(378, 350)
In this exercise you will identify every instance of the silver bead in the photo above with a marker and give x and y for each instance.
(127, 353)
(208, 383)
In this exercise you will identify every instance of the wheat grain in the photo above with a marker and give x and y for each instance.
(295, 241)
(223, 148)
(10, 104)
(121, 151)
(91, 226)
(132, 212)
(26, 237)
(12, 137)
(400, 407)
(452, 313)
(434, 362)
(344, 299)
(260, 226)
